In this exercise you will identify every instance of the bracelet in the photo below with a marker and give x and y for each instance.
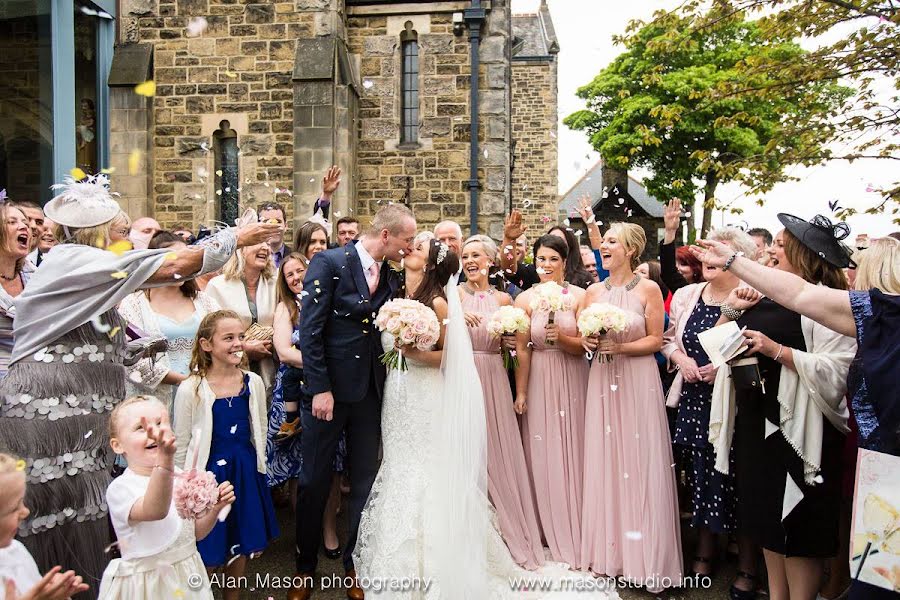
(164, 468)
(730, 260)
(780, 350)
(731, 313)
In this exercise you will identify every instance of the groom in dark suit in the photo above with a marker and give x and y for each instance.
(343, 376)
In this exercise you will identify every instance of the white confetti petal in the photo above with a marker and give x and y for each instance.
(233, 429)
(89, 434)
(223, 514)
(221, 462)
(634, 535)
(613, 387)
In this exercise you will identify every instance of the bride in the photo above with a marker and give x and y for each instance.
(427, 530)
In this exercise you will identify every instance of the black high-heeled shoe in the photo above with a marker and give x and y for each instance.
(735, 593)
(334, 553)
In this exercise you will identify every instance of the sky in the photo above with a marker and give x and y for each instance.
(585, 28)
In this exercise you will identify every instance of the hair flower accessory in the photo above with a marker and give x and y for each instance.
(442, 251)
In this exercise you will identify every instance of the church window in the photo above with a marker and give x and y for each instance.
(227, 172)
(409, 86)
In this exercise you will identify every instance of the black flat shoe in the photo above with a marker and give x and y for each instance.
(702, 561)
(333, 553)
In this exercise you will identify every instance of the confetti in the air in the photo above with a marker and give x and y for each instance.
(120, 247)
(197, 26)
(368, 84)
(134, 162)
(77, 174)
(147, 88)
(89, 434)
(119, 275)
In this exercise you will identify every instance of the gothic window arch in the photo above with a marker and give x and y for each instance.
(409, 85)
(227, 172)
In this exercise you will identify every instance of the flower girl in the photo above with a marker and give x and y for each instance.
(158, 547)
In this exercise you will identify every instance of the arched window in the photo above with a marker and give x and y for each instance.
(409, 86)
(227, 173)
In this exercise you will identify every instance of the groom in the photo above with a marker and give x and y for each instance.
(343, 376)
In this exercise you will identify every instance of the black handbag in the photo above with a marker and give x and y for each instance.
(745, 375)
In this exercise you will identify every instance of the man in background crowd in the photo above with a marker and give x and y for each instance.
(347, 230)
(450, 233)
(763, 239)
(273, 212)
(142, 230)
(590, 262)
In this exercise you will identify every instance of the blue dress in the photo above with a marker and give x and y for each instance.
(284, 460)
(872, 387)
(712, 493)
(251, 524)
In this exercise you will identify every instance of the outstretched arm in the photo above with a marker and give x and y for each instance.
(822, 304)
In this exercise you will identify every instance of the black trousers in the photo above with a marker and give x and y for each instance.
(318, 444)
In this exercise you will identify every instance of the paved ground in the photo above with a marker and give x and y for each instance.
(277, 562)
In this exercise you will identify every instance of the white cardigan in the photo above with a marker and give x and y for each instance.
(193, 410)
(807, 396)
(231, 294)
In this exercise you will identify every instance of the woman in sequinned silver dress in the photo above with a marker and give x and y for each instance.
(66, 370)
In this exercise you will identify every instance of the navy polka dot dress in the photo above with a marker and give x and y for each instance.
(712, 493)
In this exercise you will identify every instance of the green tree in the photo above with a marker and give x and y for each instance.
(854, 41)
(652, 107)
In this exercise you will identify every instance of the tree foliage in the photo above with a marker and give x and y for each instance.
(652, 107)
(855, 42)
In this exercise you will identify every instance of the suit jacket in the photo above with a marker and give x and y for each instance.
(340, 344)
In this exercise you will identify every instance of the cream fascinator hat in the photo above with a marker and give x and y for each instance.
(84, 203)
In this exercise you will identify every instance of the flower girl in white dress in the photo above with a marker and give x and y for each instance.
(158, 547)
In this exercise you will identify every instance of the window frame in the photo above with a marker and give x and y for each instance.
(409, 74)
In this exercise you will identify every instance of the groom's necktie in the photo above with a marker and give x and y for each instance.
(373, 278)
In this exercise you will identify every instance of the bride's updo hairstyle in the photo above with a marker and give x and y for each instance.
(442, 264)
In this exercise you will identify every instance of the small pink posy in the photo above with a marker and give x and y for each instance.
(196, 492)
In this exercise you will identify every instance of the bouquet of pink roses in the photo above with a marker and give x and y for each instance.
(412, 324)
(550, 297)
(196, 491)
(599, 319)
(508, 320)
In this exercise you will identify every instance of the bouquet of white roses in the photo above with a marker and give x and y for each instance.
(550, 297)
(599, 319)
(412, 324)
(508, 320)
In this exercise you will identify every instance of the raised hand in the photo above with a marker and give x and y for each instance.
(712, 253)
(513, 228)
(257, 233)
(331, 181)
(584, 208)
(161, 435)
(743, 298)
(672, 220)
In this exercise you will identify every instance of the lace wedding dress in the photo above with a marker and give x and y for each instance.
(428, 531)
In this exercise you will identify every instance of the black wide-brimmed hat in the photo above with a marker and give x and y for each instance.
(821, 236)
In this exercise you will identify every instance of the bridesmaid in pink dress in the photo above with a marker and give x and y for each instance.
(551, 385)
(509, 485)
(630, 522)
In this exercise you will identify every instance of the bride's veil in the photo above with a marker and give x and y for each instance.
(457, 513)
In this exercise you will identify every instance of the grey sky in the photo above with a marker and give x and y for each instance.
(585, 29)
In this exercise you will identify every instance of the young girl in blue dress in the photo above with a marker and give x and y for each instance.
(221, 419)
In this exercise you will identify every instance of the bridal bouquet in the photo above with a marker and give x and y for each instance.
(508, 320)
(599, 319)
(550, 297)
(412, 324)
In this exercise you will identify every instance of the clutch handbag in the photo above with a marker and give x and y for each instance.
(745, 375)
(259, 332)
(141, 345)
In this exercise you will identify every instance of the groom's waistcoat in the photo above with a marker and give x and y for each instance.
(338, 338)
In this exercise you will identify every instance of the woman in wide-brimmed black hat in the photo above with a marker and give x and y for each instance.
(871, 313)
(788, 441)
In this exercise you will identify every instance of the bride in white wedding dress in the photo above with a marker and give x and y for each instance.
(427, 531)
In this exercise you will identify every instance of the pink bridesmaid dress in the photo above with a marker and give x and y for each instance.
(630, 522)
(553, 434)
(509, 485)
